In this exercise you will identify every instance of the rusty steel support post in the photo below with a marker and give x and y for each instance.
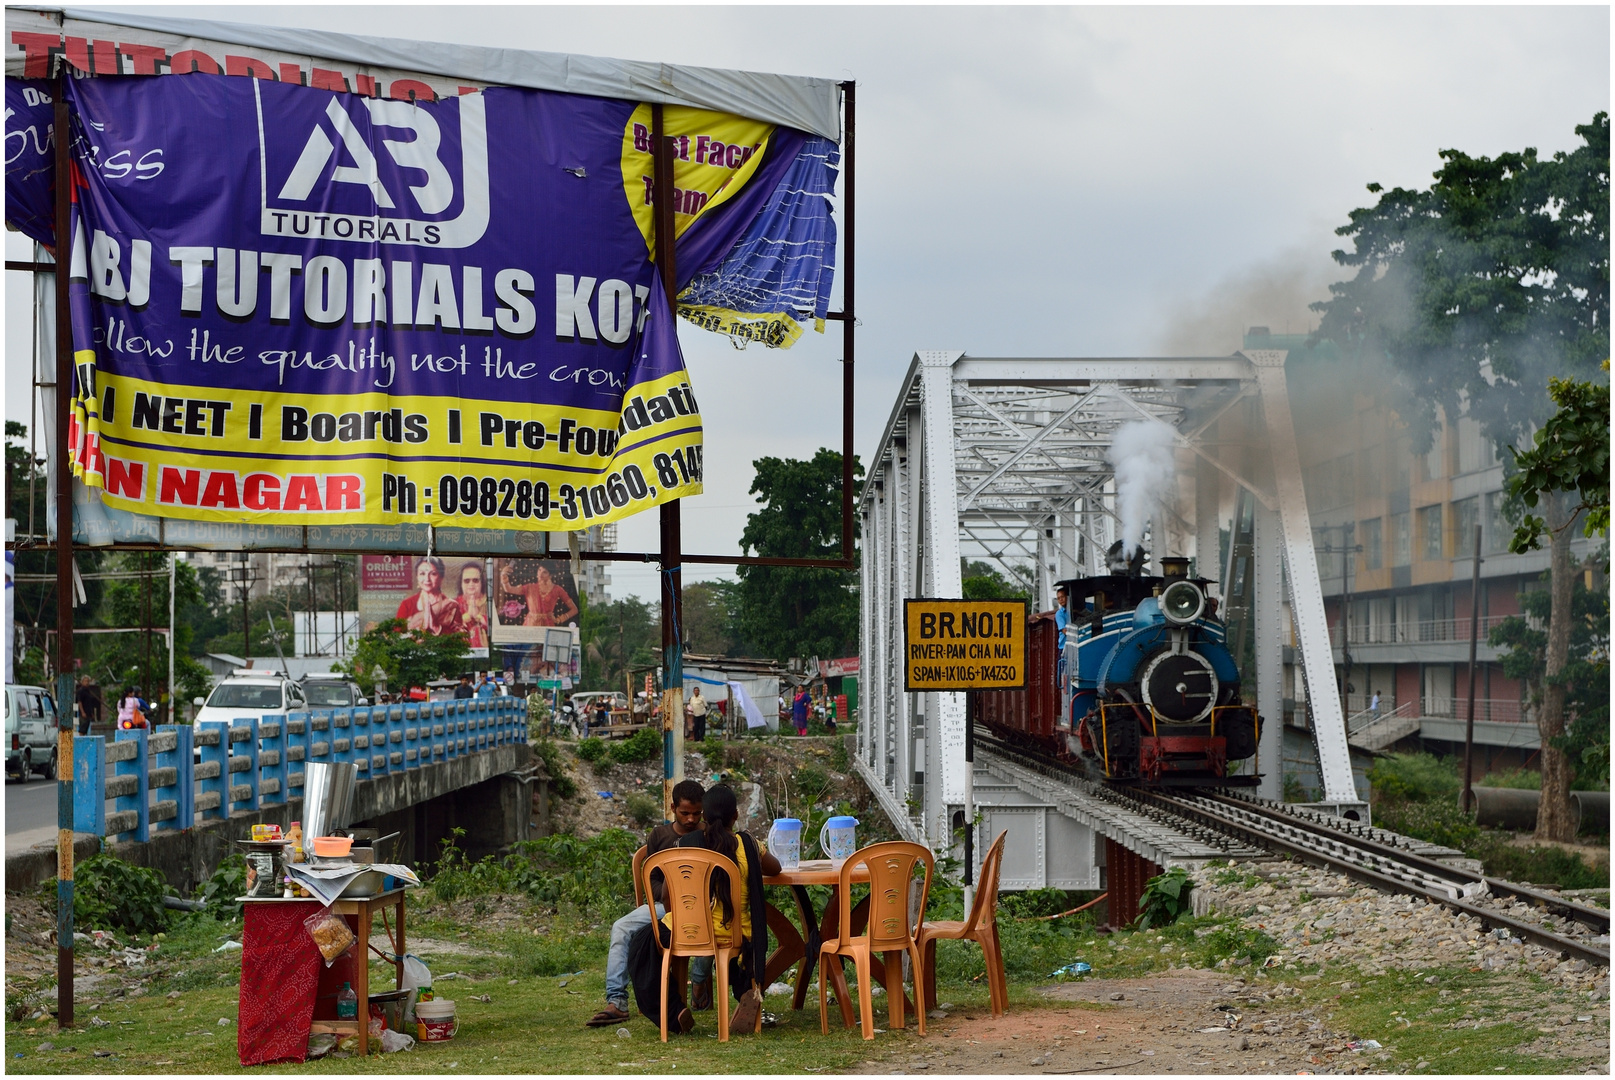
(848, 176)
(64, 561)
(1125, 875)
(671, 531)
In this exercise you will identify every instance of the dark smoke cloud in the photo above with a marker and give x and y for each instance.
(1273, 293)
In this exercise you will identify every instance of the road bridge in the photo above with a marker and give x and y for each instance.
(423, 770)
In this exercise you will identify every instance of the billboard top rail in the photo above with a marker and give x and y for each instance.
(804, 102)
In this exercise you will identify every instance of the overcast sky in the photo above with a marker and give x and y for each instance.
(1054, 181)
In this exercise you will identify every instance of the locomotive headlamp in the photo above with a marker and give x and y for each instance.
(1182, 602)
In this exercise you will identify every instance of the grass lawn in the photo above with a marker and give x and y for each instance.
(533, 1022)
(526, 961)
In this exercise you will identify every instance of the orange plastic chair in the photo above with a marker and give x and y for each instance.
(891, 869)
(688, 876)
(639, 883)
(981, 926)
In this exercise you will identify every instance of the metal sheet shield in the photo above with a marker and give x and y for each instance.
(964, 644)
(299, 307)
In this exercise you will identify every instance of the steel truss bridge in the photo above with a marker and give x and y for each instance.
(1004, 461)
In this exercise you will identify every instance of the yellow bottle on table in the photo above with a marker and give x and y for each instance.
(294, 835)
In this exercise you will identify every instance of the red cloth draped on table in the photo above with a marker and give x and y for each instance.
(280, 972)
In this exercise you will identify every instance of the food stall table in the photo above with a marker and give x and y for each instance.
(282, 972)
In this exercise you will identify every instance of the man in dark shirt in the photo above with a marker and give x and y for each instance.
(687, 796)
(464, 689)
(89, 702)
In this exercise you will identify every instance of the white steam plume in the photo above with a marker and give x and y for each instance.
(1141, 452)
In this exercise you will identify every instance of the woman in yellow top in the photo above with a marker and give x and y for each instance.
(719, 812)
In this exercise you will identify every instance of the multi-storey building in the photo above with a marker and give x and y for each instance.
(1394, 530)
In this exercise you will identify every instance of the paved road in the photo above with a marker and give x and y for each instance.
(31, 813)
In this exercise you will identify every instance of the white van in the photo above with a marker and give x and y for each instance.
(30, 732)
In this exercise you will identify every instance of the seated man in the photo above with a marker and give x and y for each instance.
(687, 797)
(721, 811)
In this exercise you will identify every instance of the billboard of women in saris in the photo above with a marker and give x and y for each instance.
(429, 593)
(531, 598)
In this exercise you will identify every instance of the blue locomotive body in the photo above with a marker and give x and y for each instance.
(1146, 690)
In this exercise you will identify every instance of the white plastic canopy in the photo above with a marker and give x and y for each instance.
(810, 104)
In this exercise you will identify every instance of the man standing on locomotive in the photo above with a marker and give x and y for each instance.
(1060, 615)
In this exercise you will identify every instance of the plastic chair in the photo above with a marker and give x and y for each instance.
(639, 883)
(891, 870)
(980, 926)
(688, 876)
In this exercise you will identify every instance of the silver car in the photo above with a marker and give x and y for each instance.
(30, 732)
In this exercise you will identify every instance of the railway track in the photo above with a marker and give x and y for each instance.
(1372, 856)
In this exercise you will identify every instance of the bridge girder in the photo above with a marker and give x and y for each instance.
(1005, 460)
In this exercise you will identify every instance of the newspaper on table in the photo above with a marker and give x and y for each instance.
(327, 882)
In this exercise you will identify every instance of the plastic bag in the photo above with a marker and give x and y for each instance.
(417, 977)
(331, 933)
(396, 1040)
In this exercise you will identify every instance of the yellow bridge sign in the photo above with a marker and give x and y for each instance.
(964, 644)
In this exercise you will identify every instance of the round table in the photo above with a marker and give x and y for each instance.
(804, 945)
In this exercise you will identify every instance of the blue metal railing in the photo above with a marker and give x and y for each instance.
(179, 776)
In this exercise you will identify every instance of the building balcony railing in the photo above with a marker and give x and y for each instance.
(1497, 710)
(1414, 633)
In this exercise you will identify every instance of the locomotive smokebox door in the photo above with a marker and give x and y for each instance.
(1180, 686)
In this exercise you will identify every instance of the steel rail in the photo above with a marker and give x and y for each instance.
(1594, 918)
(1370, 875)
(1377, 864)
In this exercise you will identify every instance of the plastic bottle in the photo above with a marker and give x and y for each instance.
(294, 834)
(347, 1003)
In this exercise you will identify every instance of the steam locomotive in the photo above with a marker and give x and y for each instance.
(1142, 690)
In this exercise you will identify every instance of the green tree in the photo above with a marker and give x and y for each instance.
(34, 601)
(615, 637)
(981, 581)
(1476, 291)
(119, 660)
(1584, 677)
(1571, 454)
(709, 617)
(790, 611)
(410, 657)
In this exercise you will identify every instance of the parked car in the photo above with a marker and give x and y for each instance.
(30, 732)
(267, 695)
(331, 692)
(615, 699)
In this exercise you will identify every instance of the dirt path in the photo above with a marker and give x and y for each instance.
(1157, 1026)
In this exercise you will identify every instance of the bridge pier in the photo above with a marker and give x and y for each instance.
(494, 813)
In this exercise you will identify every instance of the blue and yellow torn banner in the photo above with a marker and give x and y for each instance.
(294, 306)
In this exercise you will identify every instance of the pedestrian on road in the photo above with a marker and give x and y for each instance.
(489, 688)
(89, 702)
(698, 714)
(799, 710)
(1373, 705)
(535, 709)
(464, 690)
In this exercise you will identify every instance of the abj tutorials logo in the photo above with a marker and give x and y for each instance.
(374, 172)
